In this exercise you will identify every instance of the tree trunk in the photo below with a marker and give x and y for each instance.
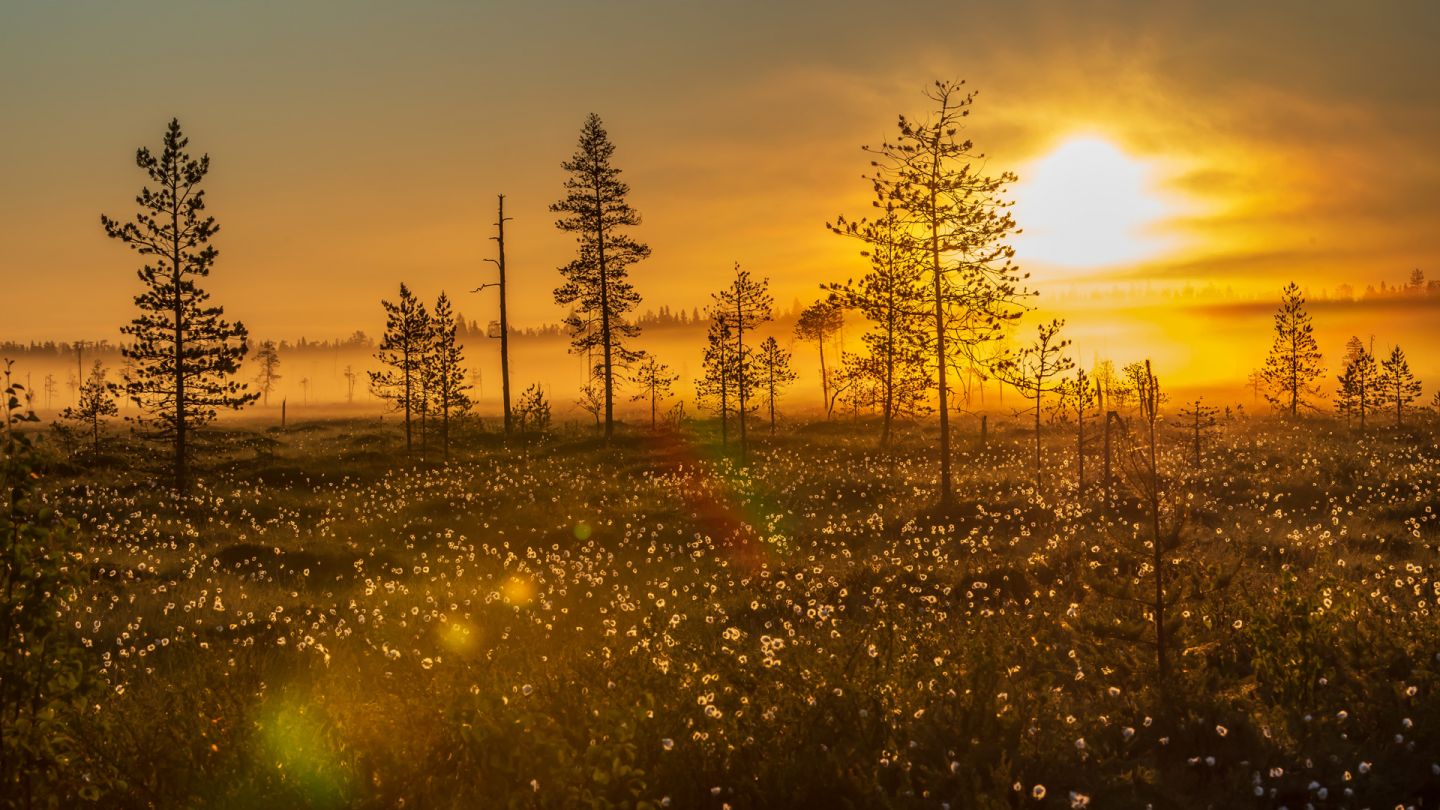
(824, 377)
(604, 313)
(940, 357)
(740, 371)
(504, 325)
(1039, 382)
(1161, 662)
(181, 481)
(772, 402)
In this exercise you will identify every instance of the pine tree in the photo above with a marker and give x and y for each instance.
(1358, 393)
(716, 390)
(1082, 394)
(775, 374)
(185, 353)
(268, 358)
(892, 297)
(1037, 370)
(1200, 419)
(592, 399)
(532, 410)
(596, 282)
(403, 350)
(818, 323)
(97, 401)
(747, 303)
(1397, 386)
(445, 369)
(957, 214)
(1294, 362)
(654, 380)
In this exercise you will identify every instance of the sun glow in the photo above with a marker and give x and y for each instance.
(1087, 204)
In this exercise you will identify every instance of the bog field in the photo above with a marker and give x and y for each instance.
(654, 622)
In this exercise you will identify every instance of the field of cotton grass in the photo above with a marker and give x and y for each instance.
(652, 623)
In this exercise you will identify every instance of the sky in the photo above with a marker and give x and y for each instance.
(359, 144)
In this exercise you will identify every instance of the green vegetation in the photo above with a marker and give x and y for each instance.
(645, 623)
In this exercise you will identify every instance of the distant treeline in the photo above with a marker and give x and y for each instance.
(1414, 287)
(469, 330)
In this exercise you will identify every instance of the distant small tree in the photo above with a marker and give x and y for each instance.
(350, 377)
(1256, 383)
(402, 350)
(1105, 377)
(532, 410)
(1037, 370)
(97, 401)
(675, 418)
(1396, 384)
(1144, 476)
(716, 390)
(1358, 393)
(447, 381)
(185, 353)
(1082, 394)
(592, 399)
(747, 303)
(818, 323)
(268, 358)
(859, 384)
(775, 374)
(654, 381)
(893, 298)
(1199, 419)
(1293, 365)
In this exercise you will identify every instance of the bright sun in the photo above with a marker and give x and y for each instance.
(1087, 204)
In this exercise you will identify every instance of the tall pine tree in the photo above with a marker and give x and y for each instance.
(596, 282)
(957, 213)
(445, 369)
(403, 349)
(184, 353)
(1397, 384)
(1293, 366)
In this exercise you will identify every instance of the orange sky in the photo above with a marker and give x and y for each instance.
(358, 144)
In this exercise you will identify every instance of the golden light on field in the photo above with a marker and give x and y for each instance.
(459, 637)
(518, 591)
(1088, 204)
